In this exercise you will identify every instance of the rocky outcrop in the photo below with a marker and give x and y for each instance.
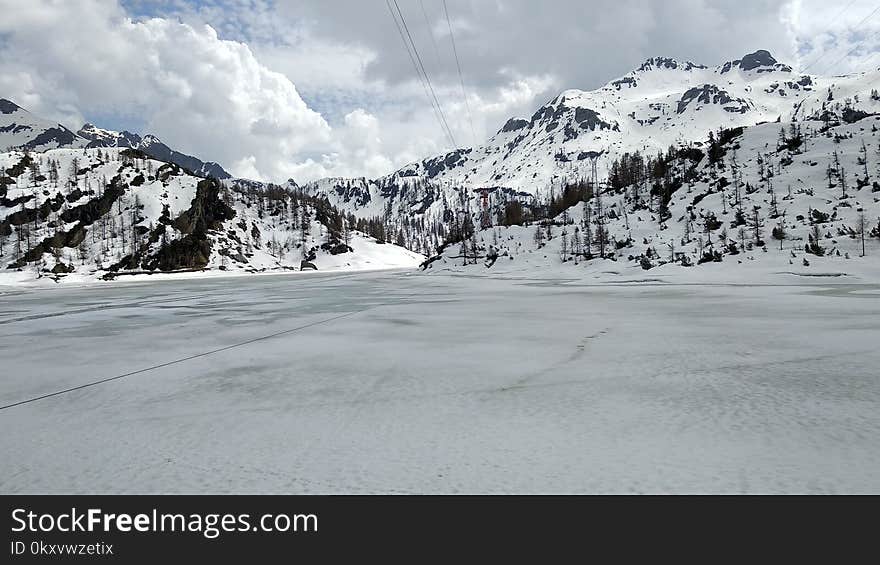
(207, 211)
(760, 58)
(189, 252)
(514, 124)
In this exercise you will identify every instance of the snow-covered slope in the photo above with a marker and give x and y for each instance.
(661, 103)
(790, 197)
(82, 214)
(20, 128)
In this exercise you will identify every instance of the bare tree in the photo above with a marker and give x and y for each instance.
(563, 246)
(862, 227)
(863, 160)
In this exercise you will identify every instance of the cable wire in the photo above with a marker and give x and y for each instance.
(176, 361)
(430, 34)
(460, 75)
(859, 44)
(425, 72)
(832, 21)
(419, 67)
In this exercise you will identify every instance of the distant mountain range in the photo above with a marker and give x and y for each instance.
(21, 129)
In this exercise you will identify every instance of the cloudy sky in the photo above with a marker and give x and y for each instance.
(313, 88)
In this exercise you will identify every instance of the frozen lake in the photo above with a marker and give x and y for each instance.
(400, 382)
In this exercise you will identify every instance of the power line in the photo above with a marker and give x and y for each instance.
(865, 64)
(418, 73)
(416, 68)
(427, 78)
(430, 33)
(416, 59)
(833, 20)
(460, 76)
(211, 352)
(859, 44)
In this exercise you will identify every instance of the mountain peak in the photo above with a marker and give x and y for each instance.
(667, 63)
(8, 106)
(760, 58)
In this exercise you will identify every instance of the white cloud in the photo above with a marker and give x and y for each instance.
(199, 93)
(216, 78)
(833, 38)
(218, 99)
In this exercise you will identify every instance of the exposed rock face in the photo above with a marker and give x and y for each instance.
(7, 106)
(336, 248)
(91, 211)
(61, 268)
(207, 212)
(711, 94)
(514, 124)
(19, 168)
(589, 119)
(760, 58)
(189, 252)
(193, 251)
(60, 136)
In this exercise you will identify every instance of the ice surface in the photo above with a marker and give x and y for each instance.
(441, 384)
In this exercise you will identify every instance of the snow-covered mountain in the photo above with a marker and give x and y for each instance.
(19, 129)
(665, 118)
(798, 198)
(103, 212)
(152, 146)
(663, 102)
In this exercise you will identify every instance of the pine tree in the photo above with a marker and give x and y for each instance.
(539, 237)
(813, 246)
(474, 250)
(588, 229)
(601, 234)
(346, 232)
(305, 229)
(756, 224)
(779, 233)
